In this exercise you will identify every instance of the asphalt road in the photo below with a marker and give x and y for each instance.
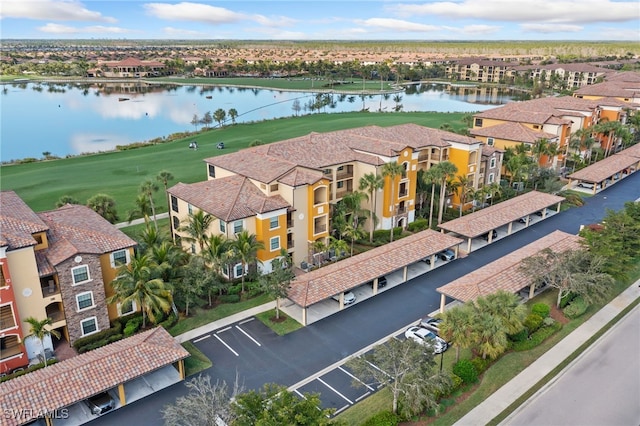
(602, 387)
(286, 360)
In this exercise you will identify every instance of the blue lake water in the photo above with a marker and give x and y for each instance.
(76, 118)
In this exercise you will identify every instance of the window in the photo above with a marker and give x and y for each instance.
(274, 243)
(89, 326)
(212, 171)
(190, 209)
(84, 300)
(340, 168)
(238, 270)
(7, 319)
(492, 163)
(327, 171)
(491, 178)
(174, 204)
(223, 226)
(3, 281)
(176, 222)
(237, 226)
(478, 122)
(193, 248)
(80, 274)
(274, 223)
(273, 187)
(340, 184)
(126, 308)
(490, 141)
(120, 257)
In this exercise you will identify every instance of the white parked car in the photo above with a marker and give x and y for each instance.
(349, 297)
(426, 337)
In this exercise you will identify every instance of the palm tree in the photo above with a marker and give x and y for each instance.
(196, 228)
(137, 283)
(66, 199)
(105, 206)
(371, 183)
(165, 176)
(465, 188)
(338, 246)
(352, 233)
(148, 187)
(246, 248)
(142, 209)
(39, 330)
(353, 207)
(507, 307)
(392, 171)
(457, 327)
(233, 114)
(445, 171)
(217, 251)
(431, 177)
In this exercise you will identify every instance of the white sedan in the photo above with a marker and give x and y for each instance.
(426, 337)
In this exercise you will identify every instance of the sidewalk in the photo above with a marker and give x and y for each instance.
(510, 392)
(141, 220)
(224, 322)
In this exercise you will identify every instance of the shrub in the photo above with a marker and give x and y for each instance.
(169, 322)
(533, 322)
(100, 343)
(519, 336)
(383, 418)
(548, 322)
(229, 298)
(480, 364)
(234, 289)
(132, 326)
(566, 299)
(576, 308)
(418, 225)
(536, 338)
(96, 337)
(541, 309)
(466, 371)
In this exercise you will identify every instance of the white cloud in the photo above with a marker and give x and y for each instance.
(48, 10)
(396, 25)
(551, 28)
(480, 29)
(51, 28)
(179, 32)
(567, 11)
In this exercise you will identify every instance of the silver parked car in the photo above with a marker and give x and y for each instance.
(349, 297)
(426, 337)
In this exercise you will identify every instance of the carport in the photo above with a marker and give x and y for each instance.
(606, 172)
(347, 274)
(54, 390)
(504, 273)
(507, 212)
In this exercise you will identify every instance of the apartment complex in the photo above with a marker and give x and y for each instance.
(56, 264)
(554, 119)
(285, 192)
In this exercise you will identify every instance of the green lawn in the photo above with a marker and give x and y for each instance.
(203, 316)
(281, 328)
(119, 174)
(196, 362)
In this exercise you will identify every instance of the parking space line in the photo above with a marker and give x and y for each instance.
(224, 329)
(296, 391)
(338, 393)
(228, 347)
(247, 334)
(363, 396)
(380, 370)
(246, 321)
(202, 338)
(355, 378)
(341, 409)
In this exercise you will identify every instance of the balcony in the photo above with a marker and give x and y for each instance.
(55, 312)
(345, 173)
(49, 288)
(9, 346)
(319, 229)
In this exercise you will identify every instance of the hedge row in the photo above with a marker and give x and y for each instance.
(537, 338)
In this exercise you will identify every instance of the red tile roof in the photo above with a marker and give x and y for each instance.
(525, 112)
(85, 375)
(604, 169)
(18, 222)
(322, 283)
(482, 221)
(504, 273)
(77, 229)
(512, 131)
(229, 198)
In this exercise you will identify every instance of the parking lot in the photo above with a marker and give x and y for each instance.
(249, 343)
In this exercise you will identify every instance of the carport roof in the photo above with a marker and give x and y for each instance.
(604, 169)
(480, 222)
(320, 284)
(504, 273)
(78, 378)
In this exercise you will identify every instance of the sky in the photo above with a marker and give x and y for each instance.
(593, 20)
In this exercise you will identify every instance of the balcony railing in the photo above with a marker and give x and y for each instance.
(319, 229)
(50, 290)
(403, 194)
(55, 315)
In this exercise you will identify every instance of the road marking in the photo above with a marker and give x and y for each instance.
(247, 334)
(341, 395)
(224, 329)
(246, 321)
(202, 338)
(354, 377)
(363, 396)
(228, 347)
(298, 392)
(342, 409)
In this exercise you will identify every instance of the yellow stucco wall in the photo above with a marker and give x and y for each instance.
(26, 285)
(108, 275)
(265, 234)
(317, 210)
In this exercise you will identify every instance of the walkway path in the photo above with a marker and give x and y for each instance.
(139, 221)
(514, 389)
